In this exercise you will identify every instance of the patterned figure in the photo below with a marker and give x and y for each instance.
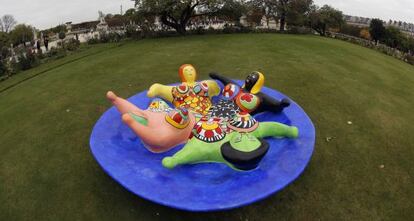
(253, 84)
(192, 95)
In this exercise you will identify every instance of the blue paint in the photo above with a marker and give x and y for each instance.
(201, 187)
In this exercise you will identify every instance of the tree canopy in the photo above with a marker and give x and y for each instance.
(292, 12)
(21, 34)
(231, 10)
(324, 18)
(7, 22)
(177, 14)
(377, 29)
(4, 40)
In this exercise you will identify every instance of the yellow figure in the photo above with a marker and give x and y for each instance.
(190, 94)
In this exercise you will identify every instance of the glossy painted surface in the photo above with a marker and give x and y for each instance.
(201, 187)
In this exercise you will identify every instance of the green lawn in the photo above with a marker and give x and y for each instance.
(48, 173)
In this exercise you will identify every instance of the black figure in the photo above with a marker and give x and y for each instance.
(253, 84)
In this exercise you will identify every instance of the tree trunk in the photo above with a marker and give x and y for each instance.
(181, 29)
(323, 30)
(179, 24)
(282, 21)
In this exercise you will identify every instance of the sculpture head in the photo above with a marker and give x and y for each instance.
(254, 82)
(188, 73)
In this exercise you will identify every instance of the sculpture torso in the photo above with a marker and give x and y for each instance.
(234, 101)
(193, 97)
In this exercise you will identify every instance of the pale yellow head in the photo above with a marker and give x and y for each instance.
(188, 73)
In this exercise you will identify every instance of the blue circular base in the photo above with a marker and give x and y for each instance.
(201, 187)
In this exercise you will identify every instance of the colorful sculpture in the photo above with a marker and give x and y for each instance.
(159, 127)
(241, 148)
(224, 133)
(192, 95)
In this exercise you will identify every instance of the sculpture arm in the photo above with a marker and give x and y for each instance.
(162, 91)
(268, 103)
(274, 129)
(213, 88)
(224, 80)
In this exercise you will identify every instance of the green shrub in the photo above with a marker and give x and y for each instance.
(114, 37)
(109, 37)
(131, 32)
(299, 30)
(103, 38)
(228, 29)
(200, 31)
(62, 35)
(410, 59)
(56, 53)
(40, 55)
(3, 69)
(72, 45)
(4, 53)
(27, 60)
(14, 67)
(244, 29)
(350, 30)
(211, 30)
(93, 41)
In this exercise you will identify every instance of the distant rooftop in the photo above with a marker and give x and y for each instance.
(365, 22)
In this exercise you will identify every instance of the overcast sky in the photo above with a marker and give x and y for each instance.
(384, 9)
(49, 13)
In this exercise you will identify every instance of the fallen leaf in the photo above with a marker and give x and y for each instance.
(328, 139)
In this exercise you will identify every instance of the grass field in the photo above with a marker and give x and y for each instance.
(359, 171)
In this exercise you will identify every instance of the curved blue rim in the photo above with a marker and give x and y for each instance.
(121, 155)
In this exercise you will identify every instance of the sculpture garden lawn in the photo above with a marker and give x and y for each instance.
(360, 101)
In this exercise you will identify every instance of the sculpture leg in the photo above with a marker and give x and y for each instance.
(121, 104)
(274, 129)
(195, 152)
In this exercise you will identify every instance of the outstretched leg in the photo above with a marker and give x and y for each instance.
(121, 104)
(274, 129)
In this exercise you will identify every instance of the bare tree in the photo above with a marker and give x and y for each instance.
(1, 26)
(8, 22)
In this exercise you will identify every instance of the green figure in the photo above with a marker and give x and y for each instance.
(239, 150)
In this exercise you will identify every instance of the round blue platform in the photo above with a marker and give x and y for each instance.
(201, 187)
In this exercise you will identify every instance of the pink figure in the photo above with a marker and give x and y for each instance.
(159, 127)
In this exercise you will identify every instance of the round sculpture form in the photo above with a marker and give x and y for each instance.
(207, 186)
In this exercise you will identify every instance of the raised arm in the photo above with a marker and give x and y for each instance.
(213, 88)
(162, 91)
(268, 103)
(224, 80)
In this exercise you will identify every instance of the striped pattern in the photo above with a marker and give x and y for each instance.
(209, 130)
(243, 121)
